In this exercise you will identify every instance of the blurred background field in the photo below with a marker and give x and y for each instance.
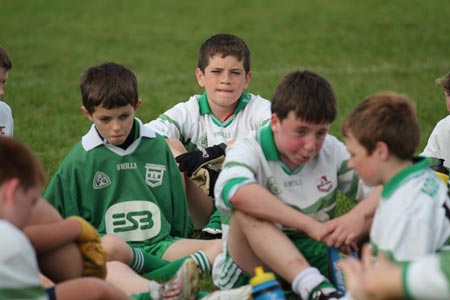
(361, 46)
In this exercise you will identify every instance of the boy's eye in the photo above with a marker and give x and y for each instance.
(105, 119)
(321, 134)
(236, 72)
(124, 117)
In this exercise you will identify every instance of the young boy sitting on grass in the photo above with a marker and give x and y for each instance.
(413, 216)
(123, 179)
(206, 123)
(278, 188)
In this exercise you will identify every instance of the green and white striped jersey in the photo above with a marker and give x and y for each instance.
(413, 216)
(193, 123)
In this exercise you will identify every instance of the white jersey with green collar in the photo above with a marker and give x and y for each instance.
(428, 278)
(19, 273)
(134, 193)
(196, 127)
(413, 216)
(311, 188)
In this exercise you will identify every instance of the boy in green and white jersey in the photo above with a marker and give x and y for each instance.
(123, 179)
(413, 216)
(427, 278)
(278, 189)
(223, 113)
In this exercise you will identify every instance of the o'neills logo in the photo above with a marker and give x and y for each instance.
(154, 174)
(325, 185)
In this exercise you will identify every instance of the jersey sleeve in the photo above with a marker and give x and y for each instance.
(177, 121)
(428, 278)
(59, 192)
(239, 168)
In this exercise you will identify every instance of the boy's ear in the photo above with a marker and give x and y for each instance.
(200, 76)
(138, 104)
(86, 113)
(382, 150)
(248, 76)
(8, 191)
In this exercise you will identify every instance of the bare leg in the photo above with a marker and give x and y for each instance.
(125, 278)
(117, 249)
(185, 247)
(68, 256)
(89, 289)
(254, 242)
(201, 206)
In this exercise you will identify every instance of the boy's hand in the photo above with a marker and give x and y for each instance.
(88, 232)
(191, 161)
(94, 256)
(94, 259)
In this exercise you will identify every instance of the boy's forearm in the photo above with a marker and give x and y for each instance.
(48, 237)
(258, 202)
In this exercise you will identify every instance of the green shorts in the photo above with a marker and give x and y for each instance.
(158, 249)
(316, 253)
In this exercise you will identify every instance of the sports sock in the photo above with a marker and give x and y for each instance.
(202, 261)
(144, 262)
(306, 281)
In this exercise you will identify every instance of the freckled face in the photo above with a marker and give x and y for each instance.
(297, 141)
(224, 81)
(114, 124)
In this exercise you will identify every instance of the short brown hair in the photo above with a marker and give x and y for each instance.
(109, 85)
(444, 81)
(385, 117)
(224, 44)
(307, 94)
(5, 60)
(18, 161)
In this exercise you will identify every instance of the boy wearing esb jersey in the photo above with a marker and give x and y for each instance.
(123, 179)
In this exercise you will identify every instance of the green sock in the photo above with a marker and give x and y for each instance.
(202, 261)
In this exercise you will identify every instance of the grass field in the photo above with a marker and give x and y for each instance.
(361, 46)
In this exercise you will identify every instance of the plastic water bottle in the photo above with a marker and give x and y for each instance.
(265, 286)
(441, 170)
(337, 276)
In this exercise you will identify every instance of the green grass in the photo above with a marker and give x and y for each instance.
(361, 46)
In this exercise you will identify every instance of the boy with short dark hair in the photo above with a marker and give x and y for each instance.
(206, 123)
(6, 119)
(413, 216)
(123, 179)
(278, 187)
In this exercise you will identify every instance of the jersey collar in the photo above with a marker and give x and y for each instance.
(420, 163)
(205, 109)
(92, 139)
(265, 139)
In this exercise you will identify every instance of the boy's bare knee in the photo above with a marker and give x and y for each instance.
(117, 249)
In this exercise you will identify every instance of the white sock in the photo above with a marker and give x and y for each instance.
(306, 281)
(154, 289)
(202, 261)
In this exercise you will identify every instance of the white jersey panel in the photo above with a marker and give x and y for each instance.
(6, 120)
(185, 122)
(18, 265)
(426, 280)
(439, 142)
(412, 222)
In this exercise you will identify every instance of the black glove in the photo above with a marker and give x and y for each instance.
(191, 161)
